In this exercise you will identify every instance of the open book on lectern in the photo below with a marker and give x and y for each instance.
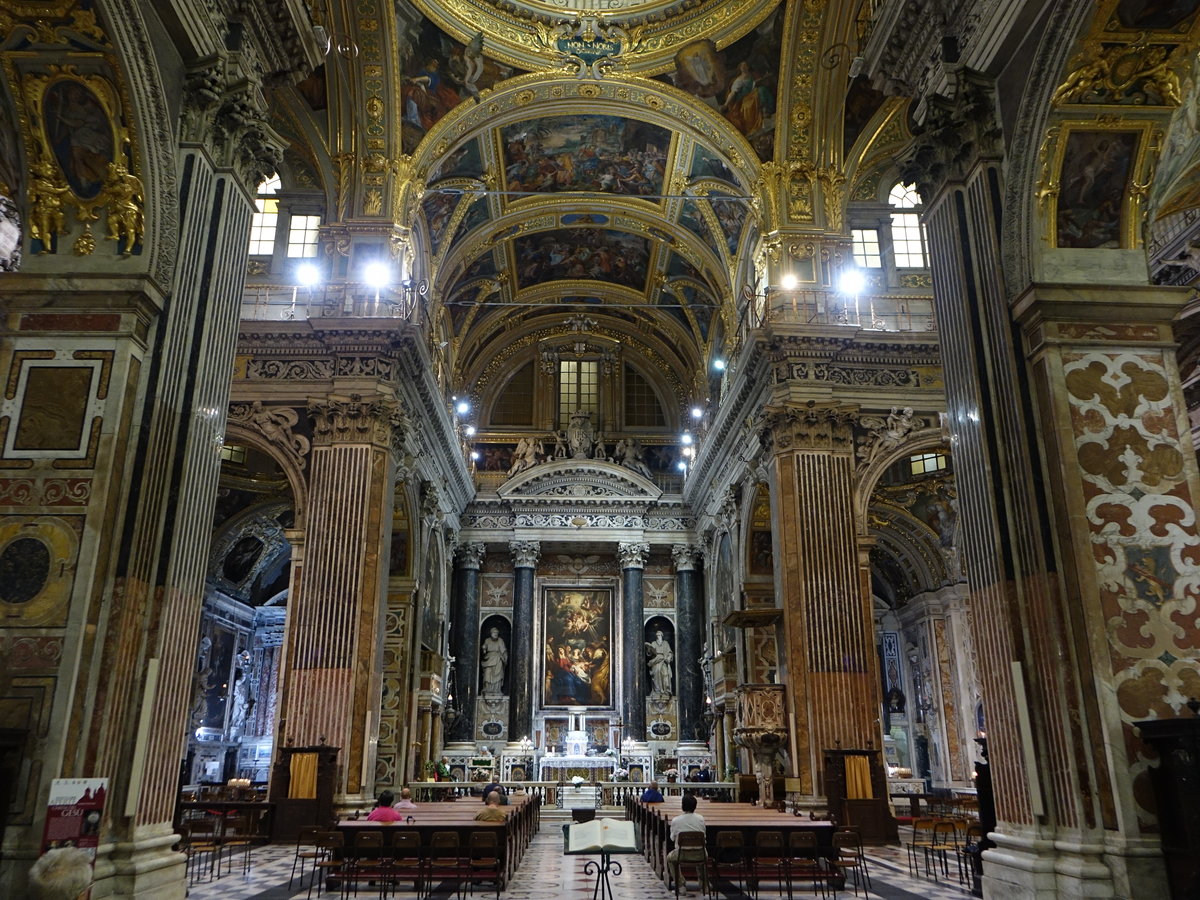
(601, 835)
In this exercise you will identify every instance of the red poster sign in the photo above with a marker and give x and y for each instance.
(74, 812)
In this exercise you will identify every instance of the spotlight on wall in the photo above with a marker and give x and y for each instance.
(788, 282)
(377, 274)
(685, 439)
(462, 407)
(470, 431)
(697, 412)
(852, 280)
(308, 274)
(719, 364)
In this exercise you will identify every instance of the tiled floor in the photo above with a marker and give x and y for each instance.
(546, 874)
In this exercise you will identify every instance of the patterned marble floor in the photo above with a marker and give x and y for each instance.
(546, 874)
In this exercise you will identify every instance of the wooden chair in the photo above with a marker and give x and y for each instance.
(236, 837)
(690, 853)
(967, 854)
(483, 860)
(306, 853)
(729, 859)
(769, 861)
(947, 836)
(922, 842)
(407, 862)
(444, 862)
(367, 862)
(331, 855)
(201, 845)
(849, 857)
(804, 862)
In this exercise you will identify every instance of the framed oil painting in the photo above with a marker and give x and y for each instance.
(577, 625)
(1094, 206)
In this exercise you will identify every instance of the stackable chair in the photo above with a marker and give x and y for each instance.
(483, 860)
(444, 862)
(407, 861)
(805, 863)
(849, 857)
(920, 842)
(691, 855)
(367, 862)
(769, 862)
(202, 846)
(331, 856)
(729, 859)
(236, 838)
(306, 853)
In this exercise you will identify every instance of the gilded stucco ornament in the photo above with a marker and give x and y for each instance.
(528, 34)
(1140, 73)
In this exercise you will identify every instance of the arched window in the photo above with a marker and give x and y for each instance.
(266, 218)
(908, 239)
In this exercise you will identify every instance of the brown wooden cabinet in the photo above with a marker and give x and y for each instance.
(1177, 791)
(302, 786)
(856, 788)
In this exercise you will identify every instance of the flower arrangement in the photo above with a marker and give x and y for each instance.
(672, 772)
(620, 775)
(611, 752)
(577, 781)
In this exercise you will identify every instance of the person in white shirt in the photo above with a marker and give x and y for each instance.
(687, 820)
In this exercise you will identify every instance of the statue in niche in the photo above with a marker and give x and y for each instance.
(579, 434)
(495, 658)
(660, 656)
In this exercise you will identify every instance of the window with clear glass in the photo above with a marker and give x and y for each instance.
(924, 463)
(233, 453)
(908, 237)
(642, 409)
(266, 218)
(578, 389)
(866, 248)
(302, 237)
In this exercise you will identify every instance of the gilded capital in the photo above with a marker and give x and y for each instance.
(470, 555)
(353, 420)
(813, 426)
(633, 555)
(525, 554)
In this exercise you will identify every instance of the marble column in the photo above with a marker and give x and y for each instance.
(520, 653)
(1070, 441)
(633, 639)
(464, 640)
(331, 687)
(689, 643)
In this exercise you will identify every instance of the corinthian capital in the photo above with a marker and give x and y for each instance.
(813, 426)
(470, 555)
(957, 132)
(633, 555)
(686, 557)
(353, 420)
(525, 554)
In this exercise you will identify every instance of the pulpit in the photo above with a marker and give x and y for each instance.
(302, 786)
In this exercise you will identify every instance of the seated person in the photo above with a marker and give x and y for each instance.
(495, 787)
(406, 800)
(652, 794)
(492, 812)
(685, 821)
(383, 811)
(705, 774)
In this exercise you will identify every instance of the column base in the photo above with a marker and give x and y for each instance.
(1025, 865)
(146, 867)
